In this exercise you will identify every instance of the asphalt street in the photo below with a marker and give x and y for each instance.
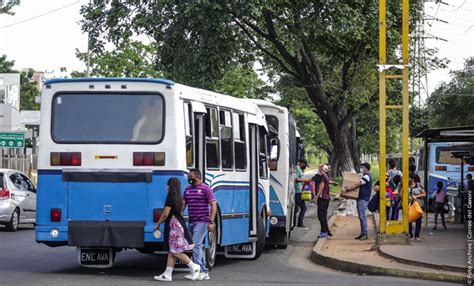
(25, 262)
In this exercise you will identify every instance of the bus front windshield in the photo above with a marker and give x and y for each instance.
(107, 118)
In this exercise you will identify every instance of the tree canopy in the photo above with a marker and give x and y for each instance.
(328, 49)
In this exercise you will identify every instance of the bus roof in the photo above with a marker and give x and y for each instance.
(105, 79)
(264, 103)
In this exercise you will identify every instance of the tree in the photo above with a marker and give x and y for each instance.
(452, 103)
(242, 82)
(329, 48)
(28, 87)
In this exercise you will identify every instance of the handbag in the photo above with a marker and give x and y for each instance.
(373, 205)
(414, 211)
(307, 191)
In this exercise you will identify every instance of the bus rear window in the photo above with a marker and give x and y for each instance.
(121, 118)
(444, 156)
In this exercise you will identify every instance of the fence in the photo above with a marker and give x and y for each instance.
(18, 159)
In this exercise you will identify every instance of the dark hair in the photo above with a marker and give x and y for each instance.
(367, 165)
(412, 176)
(440, 186)
(304, 161)
(392, 163)
(412, 168)
(397, 179)
(174, 191)
(469, 176)
(197, 172)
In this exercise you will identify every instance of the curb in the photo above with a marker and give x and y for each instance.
(417, 263)
(347, 266)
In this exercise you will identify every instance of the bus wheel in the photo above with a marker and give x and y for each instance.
(14, 222)
(212, 249)
(285, 240)
(261, 237)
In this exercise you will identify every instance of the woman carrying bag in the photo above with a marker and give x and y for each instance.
(415, 195)
(177, 237)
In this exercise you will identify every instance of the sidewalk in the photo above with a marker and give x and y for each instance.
(439, 249)
(344, 253)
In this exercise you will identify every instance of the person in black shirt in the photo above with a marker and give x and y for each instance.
(177, 237)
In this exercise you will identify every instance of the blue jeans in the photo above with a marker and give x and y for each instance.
(361, 211)
(199, 231)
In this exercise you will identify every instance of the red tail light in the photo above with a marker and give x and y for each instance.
(157, 214)
(4, 194)
(56, 214)
(470, 169)
(441, 168)
(66, 159)
(148, 158)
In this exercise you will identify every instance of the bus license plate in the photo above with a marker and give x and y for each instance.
(95, 256)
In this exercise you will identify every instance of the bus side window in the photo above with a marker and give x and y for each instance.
(188, 127)
(212, 139)
(226, 139)
(239, 142)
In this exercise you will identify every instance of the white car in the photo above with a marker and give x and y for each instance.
(17, 199)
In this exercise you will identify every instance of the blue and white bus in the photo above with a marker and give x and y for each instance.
(284, 145)
(443, 167)
(108, 147)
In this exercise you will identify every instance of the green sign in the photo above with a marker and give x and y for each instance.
(12, 140)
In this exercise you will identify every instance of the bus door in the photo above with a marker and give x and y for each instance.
(254, 168)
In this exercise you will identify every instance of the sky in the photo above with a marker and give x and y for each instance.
(44, 35)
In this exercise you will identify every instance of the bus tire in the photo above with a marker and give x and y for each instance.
(260, 245)
(211, 251)
(14, 222)
(285, 240)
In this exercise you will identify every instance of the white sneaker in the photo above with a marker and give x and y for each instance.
(195, 273)
(163, 277)
(203, 276)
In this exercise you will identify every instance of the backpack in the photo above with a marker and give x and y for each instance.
(307, 191)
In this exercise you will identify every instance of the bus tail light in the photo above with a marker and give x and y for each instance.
(148, 158)
(157, 214)
(470, 169)
(441, 168)
(4, 194)
(56, 214)
(66, 158)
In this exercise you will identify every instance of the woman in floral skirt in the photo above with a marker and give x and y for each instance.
(177, 237)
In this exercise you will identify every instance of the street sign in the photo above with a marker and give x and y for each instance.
(12, 140)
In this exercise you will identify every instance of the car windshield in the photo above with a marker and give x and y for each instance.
(107, 118)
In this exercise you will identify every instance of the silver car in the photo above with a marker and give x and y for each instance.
(17, 199)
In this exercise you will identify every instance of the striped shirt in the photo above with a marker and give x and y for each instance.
(198, 199)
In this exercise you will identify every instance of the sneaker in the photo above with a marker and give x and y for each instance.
(203, 276)
(358, 237)
(417, 239)
(163, 277)
(363, 237)
(194, 273)
(434, 228)
(323, 235)
(329, 233)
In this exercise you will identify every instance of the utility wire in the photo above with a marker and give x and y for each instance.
(40, 15)
(467, 30)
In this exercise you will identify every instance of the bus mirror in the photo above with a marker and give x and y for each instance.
(274, 149)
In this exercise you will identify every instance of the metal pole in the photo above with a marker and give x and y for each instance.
(382, 113)
(88, 50)
(405, 120)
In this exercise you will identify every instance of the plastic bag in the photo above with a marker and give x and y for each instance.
(414, 211)
(307, 193)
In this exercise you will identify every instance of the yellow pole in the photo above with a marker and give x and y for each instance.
(382, 111)
(405, 120)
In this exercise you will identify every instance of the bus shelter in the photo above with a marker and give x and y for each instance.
(464, 152)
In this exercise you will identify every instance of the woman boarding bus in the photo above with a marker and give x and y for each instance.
(108, 147)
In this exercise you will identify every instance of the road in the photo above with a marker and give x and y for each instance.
(25, 262)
